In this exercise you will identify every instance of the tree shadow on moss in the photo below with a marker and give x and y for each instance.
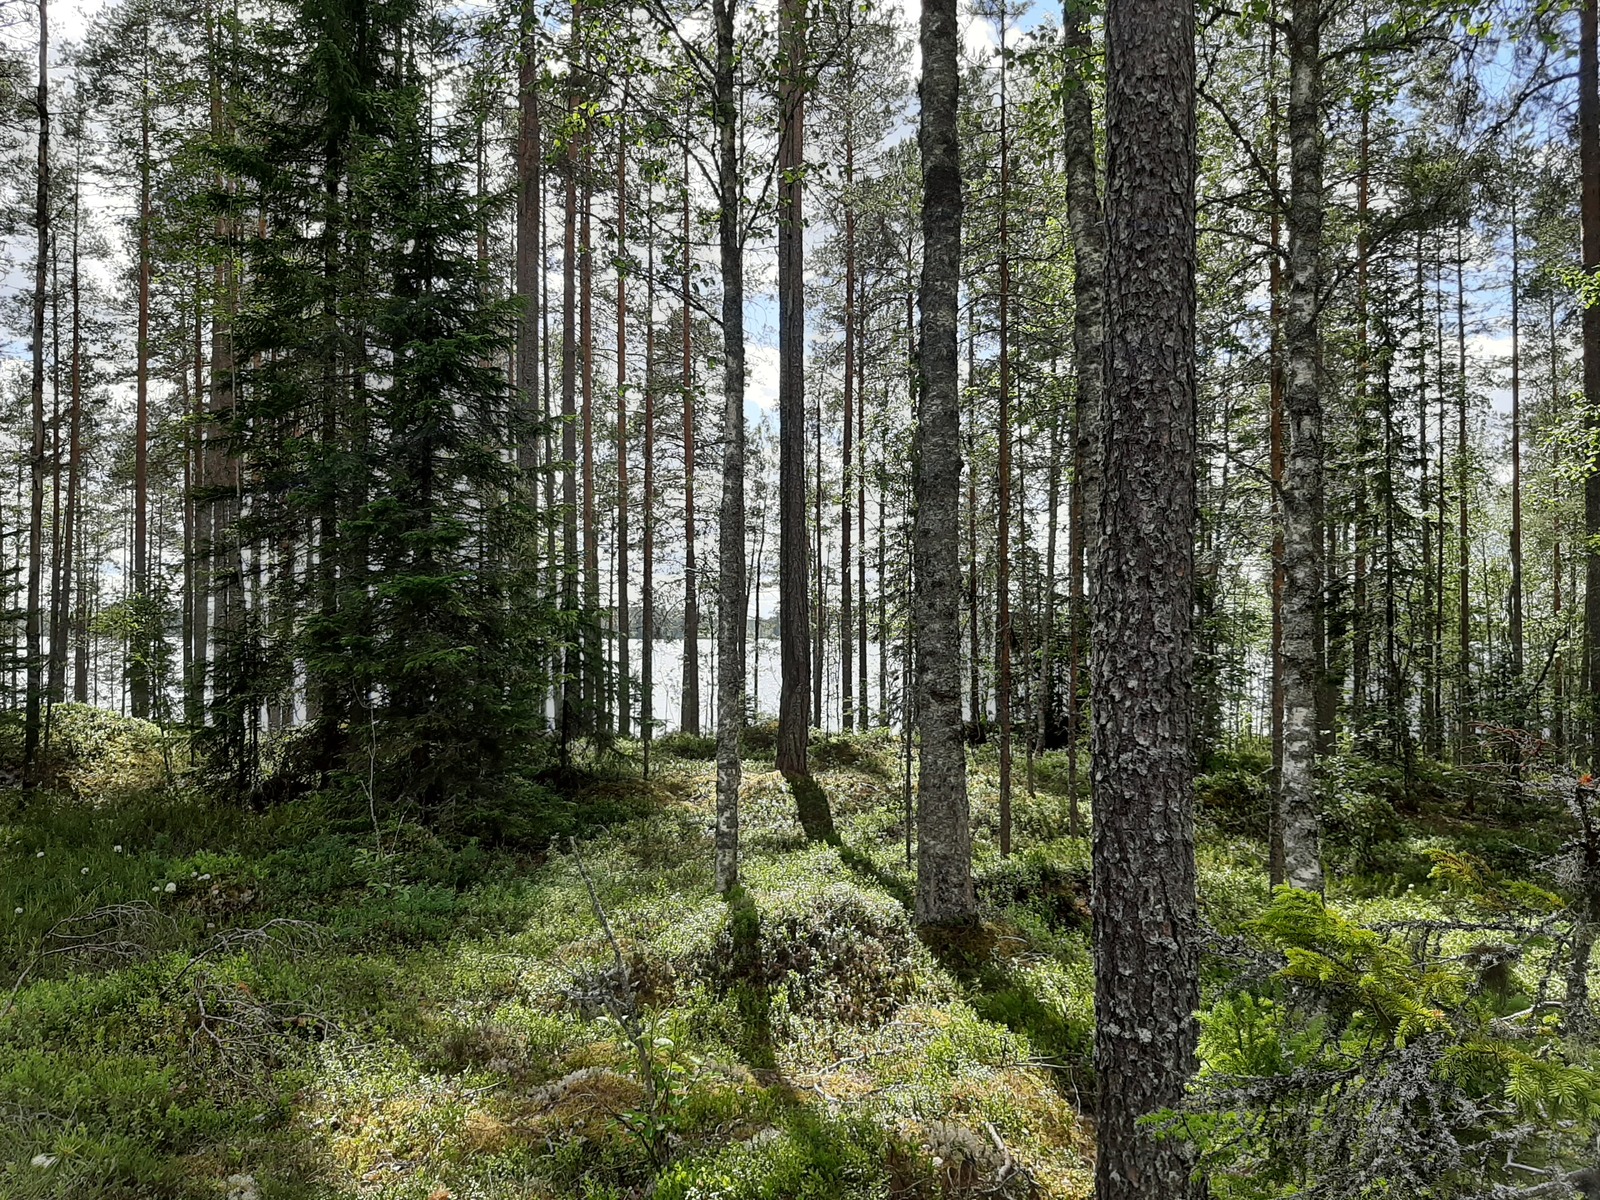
(972, 953)
(752, 994)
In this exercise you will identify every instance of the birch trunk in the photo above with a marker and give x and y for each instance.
(1303, 476)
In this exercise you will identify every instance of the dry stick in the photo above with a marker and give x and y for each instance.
(626, 1016)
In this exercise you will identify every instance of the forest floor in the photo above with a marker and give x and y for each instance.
(310, 1003)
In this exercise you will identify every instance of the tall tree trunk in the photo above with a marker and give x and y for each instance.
(1517, 665)
(1463, 542)
(689, 711)
(594, 698)
(944, 850)
(1087, 227)
(1002, 557)
(847, 701)
(1303, 467)
(730, 566)
(1558, 687)
(1589, 155)
(200, 567)
(1144, 893)
(36, 452)
(976, 702)
(1276, 867)
(1044, 709)
(61, 598)
(530, 251)
(1429, 705)
(819, 614)
(863, 707)
(574, 670)
(139, 667)
(1361, 642)
(647, 500)
(794, 600)
(624, 726)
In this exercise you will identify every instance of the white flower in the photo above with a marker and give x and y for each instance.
(171, 887)
(85, 871)
(17, 911)
(117, 849)
(39, 854)
(155, 887)
(44, 1161)
(205, 877)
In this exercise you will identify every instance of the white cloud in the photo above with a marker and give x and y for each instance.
(762, 390)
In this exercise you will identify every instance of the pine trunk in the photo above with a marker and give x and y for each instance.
(1589, 169)
(794, 600)
(730, 590)
(624, 725)
(36, 453)
(1144, 888)
(689, 710)
(944, 849)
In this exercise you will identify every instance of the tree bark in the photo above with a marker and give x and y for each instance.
(1589, 169)
(62, 602)
(1463, 541)
(36, 452)
(794, 596)
(530, 251)
(573, 668)
(647, 499)
(624, 725)
(1002, 557)
(139, 666)
(1144, 892)
(689, 709)
(730, 567)
(1303, 466)
(1516, 632)
(1086, 222)
(944, 851)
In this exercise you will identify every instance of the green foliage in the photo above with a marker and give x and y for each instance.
(809, 1159)
(1359, 1063)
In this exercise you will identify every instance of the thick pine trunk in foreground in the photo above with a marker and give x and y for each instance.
(730, 544)
(1303, 478)
(944, 846)
(1146, 960)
